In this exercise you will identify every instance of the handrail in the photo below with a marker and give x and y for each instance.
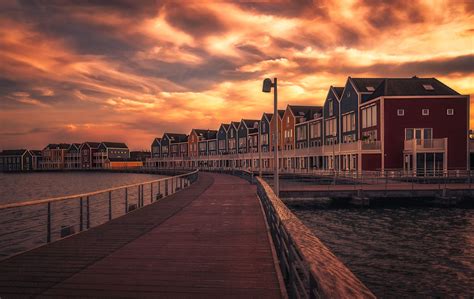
(75, 196)
(309, 268)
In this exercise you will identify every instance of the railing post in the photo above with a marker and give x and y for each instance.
(166, 187)
(81, 216)
(139, 197)
(48, 223)
(151, 192)
(88, 213)
(126, 200)
(159, 189)
(110, 205)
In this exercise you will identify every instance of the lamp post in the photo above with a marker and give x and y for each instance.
(267, 87)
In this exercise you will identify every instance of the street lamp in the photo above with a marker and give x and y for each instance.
(267, 87)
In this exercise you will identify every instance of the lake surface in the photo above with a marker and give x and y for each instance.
(16, 187)
(24, 228)
(401, 252)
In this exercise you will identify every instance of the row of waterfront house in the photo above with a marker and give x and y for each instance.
(87, 155)
(418, 125)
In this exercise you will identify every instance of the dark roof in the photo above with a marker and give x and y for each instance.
(206, 134)
(411, 87)
(361, 84)
(75, 145)
(13, 152)
(306, 112)
(338, 91)
(58, 146)
(250, 123)
(281, 112)
(226, 126)
(114, 144)
(235, 123)
(156, 141)
(36, 152)
(267, 115)
(176, 137)
(92, 144)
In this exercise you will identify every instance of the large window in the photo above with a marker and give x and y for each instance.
(331, 107)
(221, 144)
(348, 122)
(369, 117)
(315, 130)
(212, 145)
(330, 127)
(264, 139)
(202, 146)
(242, 142)
(301, 133)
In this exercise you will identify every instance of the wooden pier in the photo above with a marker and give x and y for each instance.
(209, 240)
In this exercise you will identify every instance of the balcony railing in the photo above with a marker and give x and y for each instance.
(416, 145)
(370, 145)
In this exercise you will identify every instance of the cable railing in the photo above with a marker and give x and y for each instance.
(29, 224)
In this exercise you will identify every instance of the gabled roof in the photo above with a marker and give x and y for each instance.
(91, 144)
(13, 152)
(365, 84)
(267, 115)
(281, 112)
(156, 141)
(306, 112)
(36, 152)
(64, 146)
(235, 124)
(225, 126)
(411, 87)
(114, 144)
(250, 123)
(338, 91)
(176, 137)
(74, 146)
(206, 134)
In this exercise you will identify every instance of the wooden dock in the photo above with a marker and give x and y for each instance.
(209, 240)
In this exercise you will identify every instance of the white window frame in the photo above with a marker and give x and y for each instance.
(400, 112)
(425, 112)
(450, 111)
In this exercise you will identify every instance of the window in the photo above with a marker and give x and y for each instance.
(370, 88)
(264, 127)
(264, 138)
(369, 117)
(401, 112)
(287, 120)
(428, 87)
(331, 107)
(450, 111)
(202, 146)
(330, 128)
(348, 122)
(315, 130)
(221, 144)
(408, 134)
(425, 112)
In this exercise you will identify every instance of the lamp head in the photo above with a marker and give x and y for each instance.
(267, 85)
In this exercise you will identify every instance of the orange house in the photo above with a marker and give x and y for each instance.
(272, 129)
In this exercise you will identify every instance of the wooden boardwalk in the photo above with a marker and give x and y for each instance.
(209, 240)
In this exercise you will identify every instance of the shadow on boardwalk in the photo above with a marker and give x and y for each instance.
(208, 240)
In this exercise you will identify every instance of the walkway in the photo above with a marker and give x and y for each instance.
(209, 240)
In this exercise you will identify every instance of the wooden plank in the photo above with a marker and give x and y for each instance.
(208, 240)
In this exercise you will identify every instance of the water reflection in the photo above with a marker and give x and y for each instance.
(401, 251)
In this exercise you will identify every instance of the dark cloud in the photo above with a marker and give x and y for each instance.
(198, 22)
(288, 8)
(393, 13)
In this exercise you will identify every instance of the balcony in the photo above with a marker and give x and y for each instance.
(426, 145)
(370, 145)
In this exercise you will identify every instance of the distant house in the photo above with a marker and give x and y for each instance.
(280, 131)
(112, 150)
(72, 159)
(170, 139)
(222, 139)
(139, 155)
(54, 156)
(16, 160)
(232, 137)
(37, 159)
(156, 148)
(248, 134)
(265, 131)
(87, 154)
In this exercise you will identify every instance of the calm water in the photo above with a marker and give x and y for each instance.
(24, 228)
(15, 187)
(402, 252)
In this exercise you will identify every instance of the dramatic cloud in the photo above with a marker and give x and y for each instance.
(130, 70)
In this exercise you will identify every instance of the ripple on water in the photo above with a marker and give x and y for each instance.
(401, 252)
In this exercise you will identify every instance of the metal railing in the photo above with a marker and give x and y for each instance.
(29, 224)
(309, 268)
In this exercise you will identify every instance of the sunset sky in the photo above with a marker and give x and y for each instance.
(130, 70)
